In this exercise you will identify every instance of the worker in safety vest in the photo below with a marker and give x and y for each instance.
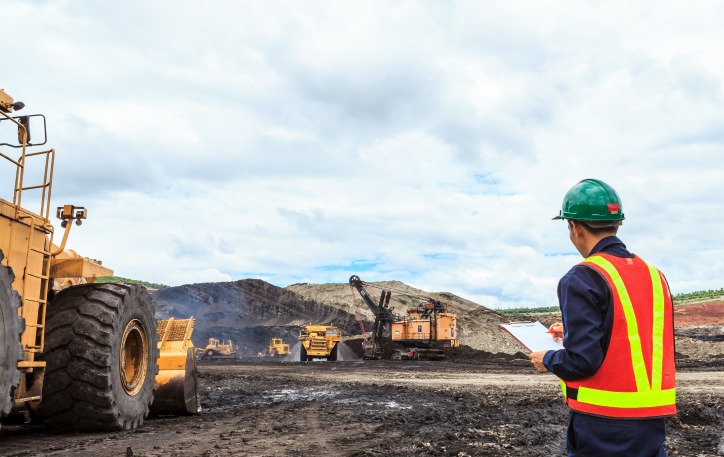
(617, 362)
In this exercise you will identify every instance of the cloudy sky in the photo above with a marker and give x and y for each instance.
(427, 142)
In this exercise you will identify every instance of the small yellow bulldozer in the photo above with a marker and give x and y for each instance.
(219, 349)
(277, 347)
(79, 355)
(319, 342)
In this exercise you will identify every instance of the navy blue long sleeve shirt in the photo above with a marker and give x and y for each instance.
(587, 309)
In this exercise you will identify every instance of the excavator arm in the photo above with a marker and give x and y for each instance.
(380, 309)
(382, 333)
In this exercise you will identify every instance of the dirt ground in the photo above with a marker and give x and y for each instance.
(699, 314)
(377, 408)
(475, 403)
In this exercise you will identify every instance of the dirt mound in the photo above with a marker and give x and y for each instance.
(343, 296)
(249, 312)
(480, 330)
(477, 325)
(355, 345)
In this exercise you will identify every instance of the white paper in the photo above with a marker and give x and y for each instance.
(533, 336)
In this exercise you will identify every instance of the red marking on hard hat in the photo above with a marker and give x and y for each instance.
(613, 208)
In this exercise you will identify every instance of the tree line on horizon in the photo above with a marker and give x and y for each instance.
(679, 299)
(118, 279)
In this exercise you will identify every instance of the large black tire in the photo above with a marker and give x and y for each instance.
(302, 354)
(11, 327)
(333, 355)
(101, 354)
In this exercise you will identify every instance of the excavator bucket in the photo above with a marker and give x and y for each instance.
(176, 383)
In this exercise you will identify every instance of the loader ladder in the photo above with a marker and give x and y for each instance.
(39, 227)
(37, 252)
(43, 279)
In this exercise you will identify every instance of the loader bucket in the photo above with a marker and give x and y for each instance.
(176, 383)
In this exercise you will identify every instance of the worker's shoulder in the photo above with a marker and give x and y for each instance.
(583, 275)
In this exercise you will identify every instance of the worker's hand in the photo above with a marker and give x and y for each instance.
(536, 359)
(556, 330)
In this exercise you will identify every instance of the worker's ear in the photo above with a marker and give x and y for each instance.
(577, 228)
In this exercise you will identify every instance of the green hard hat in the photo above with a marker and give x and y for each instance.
(592, 200)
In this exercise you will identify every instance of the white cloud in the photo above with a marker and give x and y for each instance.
(421, 141)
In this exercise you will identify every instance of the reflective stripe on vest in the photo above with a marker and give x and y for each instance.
(646, 395)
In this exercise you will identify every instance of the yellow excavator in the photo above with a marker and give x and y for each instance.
(79, 355)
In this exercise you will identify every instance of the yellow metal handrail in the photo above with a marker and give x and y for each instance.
(20, 165)
(45, 187)
(39, 225)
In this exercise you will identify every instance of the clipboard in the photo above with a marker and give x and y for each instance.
(533, 336)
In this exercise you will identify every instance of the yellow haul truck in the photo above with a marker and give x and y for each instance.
(319, 342)
(85, 358)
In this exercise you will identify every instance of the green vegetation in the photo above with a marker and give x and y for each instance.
(702, 295)
(519, 311)
(118, 279)
(679, 299)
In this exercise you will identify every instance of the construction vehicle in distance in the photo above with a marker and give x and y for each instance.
(319, 342)
(277, 347)
(82, 357)
(424, 332)
(219, 349)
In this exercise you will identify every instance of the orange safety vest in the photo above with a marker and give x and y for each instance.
(637, 378)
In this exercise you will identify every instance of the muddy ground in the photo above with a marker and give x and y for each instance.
(463, 407)
(475, 403)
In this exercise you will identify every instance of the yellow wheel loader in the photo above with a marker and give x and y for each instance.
(87, 357)
(277, 347)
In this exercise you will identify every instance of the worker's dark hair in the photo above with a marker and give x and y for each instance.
(611, 230)
(597, 231)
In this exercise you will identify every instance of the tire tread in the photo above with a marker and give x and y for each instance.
(77, 399)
